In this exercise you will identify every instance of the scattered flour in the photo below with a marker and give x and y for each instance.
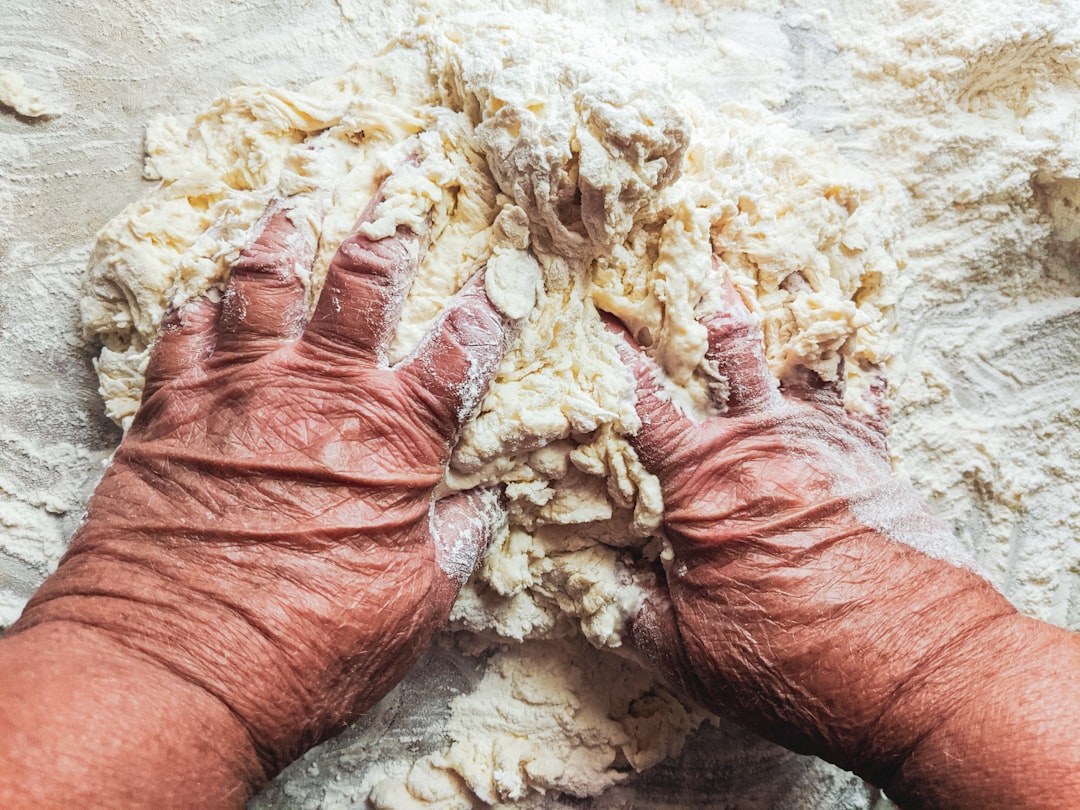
(975, 108)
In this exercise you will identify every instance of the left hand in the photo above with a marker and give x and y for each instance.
(268, 528)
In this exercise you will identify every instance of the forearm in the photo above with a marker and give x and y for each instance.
(1015, 741)
(227, 620)
(915, 674)
(86, 722)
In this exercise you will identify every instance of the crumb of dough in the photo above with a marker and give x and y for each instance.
(15, 94)
(583, 183)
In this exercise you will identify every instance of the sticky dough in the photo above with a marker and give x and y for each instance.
(582, 182)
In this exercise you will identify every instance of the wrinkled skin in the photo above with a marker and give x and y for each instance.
(271, 510)
(785, 610)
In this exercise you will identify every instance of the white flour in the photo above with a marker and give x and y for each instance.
(963, 116)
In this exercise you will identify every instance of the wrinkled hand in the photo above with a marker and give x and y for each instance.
(268, 528)
(788, 594)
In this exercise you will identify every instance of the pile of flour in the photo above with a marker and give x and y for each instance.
(582, 181)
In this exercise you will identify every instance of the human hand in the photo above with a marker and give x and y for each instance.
(796, 601)
(268, 528)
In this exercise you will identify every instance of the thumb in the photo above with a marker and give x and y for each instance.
(654, 633)
(462, 528)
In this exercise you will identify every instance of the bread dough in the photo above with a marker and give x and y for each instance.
(582, 181)
(548, 715)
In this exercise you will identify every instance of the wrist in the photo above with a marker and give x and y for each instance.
(111, 727)
(947, 637)
(1006, 732)
(177, 614)
(855, 641)
(297, 638)
(911, 632)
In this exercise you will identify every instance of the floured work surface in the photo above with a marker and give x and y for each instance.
(959, 117)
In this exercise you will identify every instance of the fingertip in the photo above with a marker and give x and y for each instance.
(614, 325)
(635, 359)
(736, 354)
(654, 633)
(662, 422)
(877, 399)
(877, 412)
(808, 385)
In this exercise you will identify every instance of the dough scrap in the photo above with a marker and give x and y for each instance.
(23, 99)
(582, 183)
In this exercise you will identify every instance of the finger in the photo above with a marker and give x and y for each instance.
(654, 632)
(365, 290)
(455, 362)
(263, 306)
(876, 399)
(663, 425)
(873, 412)
(806, 384)
(736, 356)
(185, 340)
(462, 528)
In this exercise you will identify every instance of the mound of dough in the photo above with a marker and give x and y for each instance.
(583, 183)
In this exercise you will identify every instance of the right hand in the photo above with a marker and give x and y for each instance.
(789, 605)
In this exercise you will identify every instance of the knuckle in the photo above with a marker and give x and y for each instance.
(196, 315)
(360, 256)
(737, 327)
(257, 259)
(471, 326)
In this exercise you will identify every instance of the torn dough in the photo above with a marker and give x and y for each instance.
(582, 183)
(16, 94)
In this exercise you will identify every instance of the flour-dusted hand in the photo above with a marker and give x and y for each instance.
(268, 530)
(809, 598)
